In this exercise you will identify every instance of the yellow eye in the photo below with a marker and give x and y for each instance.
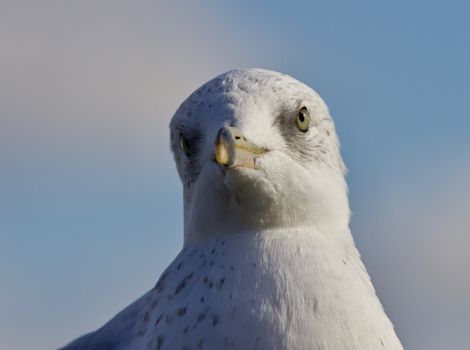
(303, 119)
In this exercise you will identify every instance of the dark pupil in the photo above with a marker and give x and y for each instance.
(185, 144)
(301, 117)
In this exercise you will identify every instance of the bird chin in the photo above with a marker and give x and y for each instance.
(240, 173)
(251, 191)
(250, 182)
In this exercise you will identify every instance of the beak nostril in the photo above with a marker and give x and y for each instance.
(237, 137)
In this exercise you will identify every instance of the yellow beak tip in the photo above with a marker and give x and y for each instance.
(221, 154)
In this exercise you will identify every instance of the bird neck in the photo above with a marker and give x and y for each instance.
(322, 206)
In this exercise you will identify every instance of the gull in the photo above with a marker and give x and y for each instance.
(268, 260)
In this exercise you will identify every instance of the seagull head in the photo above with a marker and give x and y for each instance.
(257, 149)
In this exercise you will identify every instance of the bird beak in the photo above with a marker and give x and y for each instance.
(233, 150)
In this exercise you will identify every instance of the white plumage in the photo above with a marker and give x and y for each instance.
(268, 260)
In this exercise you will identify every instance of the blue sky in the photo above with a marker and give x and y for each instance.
(90, 202)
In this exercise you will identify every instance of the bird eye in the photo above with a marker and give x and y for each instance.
(303, 119)
(185, 146)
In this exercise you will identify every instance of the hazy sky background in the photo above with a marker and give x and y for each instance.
(90, 202)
